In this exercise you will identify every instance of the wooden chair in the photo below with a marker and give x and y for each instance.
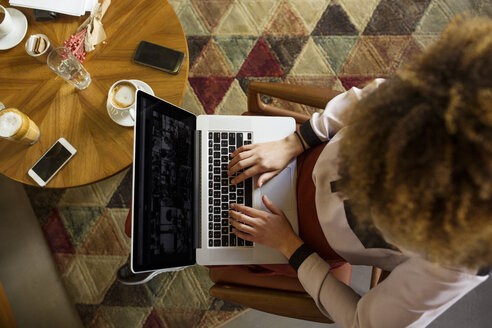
(278, 294)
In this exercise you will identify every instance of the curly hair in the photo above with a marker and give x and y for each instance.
(416, 160)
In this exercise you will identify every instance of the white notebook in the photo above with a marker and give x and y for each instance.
(72, 7)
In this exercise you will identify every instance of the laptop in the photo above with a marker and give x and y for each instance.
(181, 190)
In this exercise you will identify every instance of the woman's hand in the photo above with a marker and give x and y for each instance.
(269, 229)
(267, 159)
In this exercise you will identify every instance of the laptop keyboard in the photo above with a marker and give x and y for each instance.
(220, 190)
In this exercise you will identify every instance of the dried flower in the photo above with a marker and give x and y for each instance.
(76, 44)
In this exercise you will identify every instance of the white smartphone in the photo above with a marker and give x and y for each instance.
(51, 162)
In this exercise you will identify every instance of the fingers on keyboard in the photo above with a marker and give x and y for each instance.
(221, 191)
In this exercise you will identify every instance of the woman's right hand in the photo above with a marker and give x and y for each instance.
(267, 159)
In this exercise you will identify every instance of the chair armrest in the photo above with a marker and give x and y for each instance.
(283, 303)
(307, 95)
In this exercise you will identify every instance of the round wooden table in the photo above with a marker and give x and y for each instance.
(80, 116)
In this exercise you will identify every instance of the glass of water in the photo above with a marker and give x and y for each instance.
(63, 62)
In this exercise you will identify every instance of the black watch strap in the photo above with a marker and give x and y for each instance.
(308, 134)
(299, 256)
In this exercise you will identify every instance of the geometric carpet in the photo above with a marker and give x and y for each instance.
(336, 44)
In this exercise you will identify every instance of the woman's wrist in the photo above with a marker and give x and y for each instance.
(290, 245)
(294, 145)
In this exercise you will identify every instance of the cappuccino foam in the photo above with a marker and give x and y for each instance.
(9, 124)
(123, 95)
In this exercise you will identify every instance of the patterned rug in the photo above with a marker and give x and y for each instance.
(337, 44)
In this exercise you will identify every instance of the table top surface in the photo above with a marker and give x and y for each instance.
(80, 116)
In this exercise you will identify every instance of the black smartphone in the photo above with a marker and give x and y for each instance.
(156, 56)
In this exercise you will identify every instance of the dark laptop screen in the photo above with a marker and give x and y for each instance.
(164, 155)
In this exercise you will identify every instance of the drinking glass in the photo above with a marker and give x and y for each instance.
(17, 126)
(62, 61)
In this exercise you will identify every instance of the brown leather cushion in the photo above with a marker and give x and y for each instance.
(309, 227)
(237, 276)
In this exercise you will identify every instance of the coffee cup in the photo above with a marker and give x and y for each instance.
(122, 96)
(17, 126)
(6, 24)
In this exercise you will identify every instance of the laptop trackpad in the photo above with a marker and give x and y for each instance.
(278, 190)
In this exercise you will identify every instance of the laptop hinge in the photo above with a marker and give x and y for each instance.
(197, 204)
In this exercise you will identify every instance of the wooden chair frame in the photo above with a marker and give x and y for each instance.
(306, 95)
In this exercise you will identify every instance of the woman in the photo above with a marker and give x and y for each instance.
(415, 170)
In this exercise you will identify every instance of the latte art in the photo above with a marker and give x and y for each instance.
(123, 95)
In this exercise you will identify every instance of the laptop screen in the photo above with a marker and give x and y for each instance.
(163, 193)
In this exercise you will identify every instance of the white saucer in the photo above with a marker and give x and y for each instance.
(122, 117)
(18, 30)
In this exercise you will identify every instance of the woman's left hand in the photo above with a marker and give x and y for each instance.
(269, 229)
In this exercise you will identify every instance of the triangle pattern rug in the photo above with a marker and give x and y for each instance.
(336, 44)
